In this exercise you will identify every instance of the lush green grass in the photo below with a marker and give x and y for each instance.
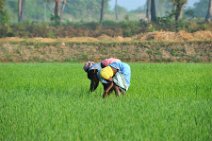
(51, 102)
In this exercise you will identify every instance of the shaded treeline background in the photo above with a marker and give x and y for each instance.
(53, 18)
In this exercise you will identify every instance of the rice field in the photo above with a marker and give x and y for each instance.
(50, 101)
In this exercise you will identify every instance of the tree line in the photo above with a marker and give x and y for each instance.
(168, 15)
(97, 8)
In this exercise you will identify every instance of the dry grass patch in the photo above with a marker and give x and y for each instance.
(163, 36)
(173, 36)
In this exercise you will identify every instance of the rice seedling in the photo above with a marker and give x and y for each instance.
(50, 101)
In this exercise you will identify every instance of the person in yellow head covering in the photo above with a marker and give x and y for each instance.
(117, 76)
(107, 74)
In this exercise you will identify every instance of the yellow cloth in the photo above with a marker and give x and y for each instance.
(106, 73)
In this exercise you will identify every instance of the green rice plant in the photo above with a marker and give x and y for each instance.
(50, 101)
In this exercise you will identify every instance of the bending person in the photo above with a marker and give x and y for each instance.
(93, 69)
(117, 75)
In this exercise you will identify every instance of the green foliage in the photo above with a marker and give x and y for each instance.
(199, 10)
(6, 30)
(3, 13)
(47, 102)
(130, 28)
(166, 23)
(56, 20)
(189, 13)
(83, 9)
(4, 18)
(1, 4)
(77, 9)
(179, 2)
(34, 10)
(35, 14)
(178, 11)
(94, 29)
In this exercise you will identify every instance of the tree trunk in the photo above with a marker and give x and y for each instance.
(148, 13)
(153, 11)
(116, 9)
(178, 11)
(44, 6)
(20, 10)
(63, 7)
(209, 14)
(57, 8)
(102, 11)
(178, 14)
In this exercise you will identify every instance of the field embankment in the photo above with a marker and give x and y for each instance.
(149, 47)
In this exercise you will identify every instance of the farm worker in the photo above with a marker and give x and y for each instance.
(92, 70)
(117, 75)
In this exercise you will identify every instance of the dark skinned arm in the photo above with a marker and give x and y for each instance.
(110, 86)
(94, 84)
(117, 90)
(92, 75)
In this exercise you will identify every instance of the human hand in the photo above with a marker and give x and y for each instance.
(105, 94)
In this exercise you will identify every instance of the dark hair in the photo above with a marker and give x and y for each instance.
(102, 65)
(91, 73)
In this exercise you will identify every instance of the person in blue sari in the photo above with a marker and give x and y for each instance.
(117, 76)
(93, 69)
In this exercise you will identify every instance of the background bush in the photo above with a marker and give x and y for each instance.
(94, 29)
